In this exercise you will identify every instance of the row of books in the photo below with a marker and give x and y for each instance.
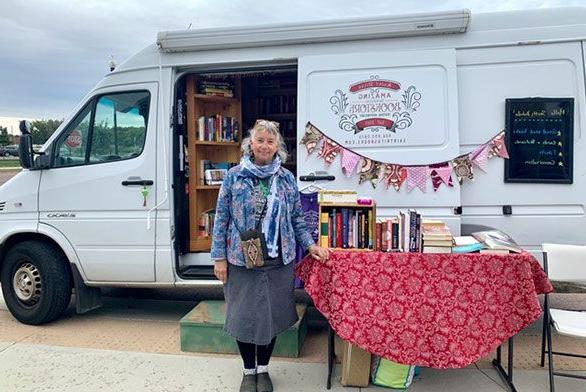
(277, 104)
(206, 223)
(217, 129)
(347, 228)
(216, 88)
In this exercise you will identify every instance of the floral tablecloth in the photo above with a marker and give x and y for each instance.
(435, 310)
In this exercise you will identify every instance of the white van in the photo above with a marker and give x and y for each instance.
(111, 201)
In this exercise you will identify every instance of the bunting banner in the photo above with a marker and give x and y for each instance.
(396, 174)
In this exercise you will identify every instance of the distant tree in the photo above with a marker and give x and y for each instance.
(4, 139)
(43, 129)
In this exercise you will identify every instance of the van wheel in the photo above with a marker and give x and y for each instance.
(36, 282)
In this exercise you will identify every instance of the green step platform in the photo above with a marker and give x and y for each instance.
(202, 330)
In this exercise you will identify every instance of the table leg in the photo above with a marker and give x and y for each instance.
(507, 376)
(331, 356)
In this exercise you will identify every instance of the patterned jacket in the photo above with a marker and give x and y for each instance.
(236, 204)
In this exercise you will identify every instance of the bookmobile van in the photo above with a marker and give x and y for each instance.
(114, 199)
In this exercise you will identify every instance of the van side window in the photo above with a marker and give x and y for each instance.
(112, 128)
(72, 144)
(119, 126)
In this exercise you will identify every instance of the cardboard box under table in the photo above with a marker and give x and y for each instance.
(202, 330)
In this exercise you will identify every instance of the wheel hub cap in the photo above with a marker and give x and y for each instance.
(27, 283)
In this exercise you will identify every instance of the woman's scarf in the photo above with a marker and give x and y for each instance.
(270, 223)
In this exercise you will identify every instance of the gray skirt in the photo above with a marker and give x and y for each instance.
(260, 302)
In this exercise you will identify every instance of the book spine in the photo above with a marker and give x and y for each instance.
(378, 236)
(360, 229)
(412, 231)
(365, 231)
(344, 228)
(419, 237)
(324, 242)
(334, 231)
(330, 230)
(395, 235)
(339, 229)
(384, 236)
(371, 225)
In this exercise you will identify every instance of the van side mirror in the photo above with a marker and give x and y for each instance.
(25, 147)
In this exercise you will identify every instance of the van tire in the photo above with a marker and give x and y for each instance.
(36, 282)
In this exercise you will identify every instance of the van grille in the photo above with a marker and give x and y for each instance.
(2, 205)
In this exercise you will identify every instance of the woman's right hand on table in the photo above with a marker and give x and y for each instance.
(221, 270)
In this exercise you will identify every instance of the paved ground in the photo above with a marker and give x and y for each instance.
(132, 331)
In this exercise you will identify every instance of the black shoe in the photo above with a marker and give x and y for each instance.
(264, 383)
(248, 383)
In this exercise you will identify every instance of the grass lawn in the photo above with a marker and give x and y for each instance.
(9, 163)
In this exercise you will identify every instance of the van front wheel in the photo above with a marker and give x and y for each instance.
(36, 282)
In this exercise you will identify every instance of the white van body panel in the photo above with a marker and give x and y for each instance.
(430, 135)
(486, 77)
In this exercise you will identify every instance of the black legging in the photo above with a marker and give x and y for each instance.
(249, 351)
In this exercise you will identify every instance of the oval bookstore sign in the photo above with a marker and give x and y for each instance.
(375, 105)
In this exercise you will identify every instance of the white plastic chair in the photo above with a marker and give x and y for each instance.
(565, 263)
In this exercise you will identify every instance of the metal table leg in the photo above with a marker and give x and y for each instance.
(507, 376)
(331, 356)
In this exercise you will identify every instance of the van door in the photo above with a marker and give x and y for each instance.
(101, 184)
(393, 107)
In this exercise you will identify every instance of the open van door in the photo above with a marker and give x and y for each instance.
(101, 184)
(392, 107)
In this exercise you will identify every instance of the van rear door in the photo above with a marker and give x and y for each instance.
(393, 107)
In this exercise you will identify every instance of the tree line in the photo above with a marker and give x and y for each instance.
(41, 131)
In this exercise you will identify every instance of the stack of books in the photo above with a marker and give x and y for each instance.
(217, 88)
(437, 237)
(213, 173)
(497, 242)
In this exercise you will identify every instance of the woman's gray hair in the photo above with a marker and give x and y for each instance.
(271, 127)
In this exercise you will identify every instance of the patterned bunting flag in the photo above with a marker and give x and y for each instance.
(463, 168)
(349, 161)
(498, 146)
(311, 138)
(416, 177)
(329, 150)
(394, 175)
(369, 171)
(440, 173)
(479, 156)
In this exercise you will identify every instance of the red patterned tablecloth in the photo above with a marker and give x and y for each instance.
(435, 310)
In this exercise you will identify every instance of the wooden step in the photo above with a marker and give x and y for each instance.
(202, 330)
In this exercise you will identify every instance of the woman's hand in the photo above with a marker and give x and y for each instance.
(319, 253)
(221, 270)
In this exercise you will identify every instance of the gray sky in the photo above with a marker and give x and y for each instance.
(53, 52)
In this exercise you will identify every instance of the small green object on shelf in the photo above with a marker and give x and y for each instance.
(202, 330)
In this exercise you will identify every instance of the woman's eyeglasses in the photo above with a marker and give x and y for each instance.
(267, 123)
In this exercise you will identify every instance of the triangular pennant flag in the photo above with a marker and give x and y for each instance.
(311, 138)
(329, 151)
(369, 171)
(349, 161)
(440, 173)
(463, 168)
(416, 177)
(479, 156)
(394, 175)
(498, 146)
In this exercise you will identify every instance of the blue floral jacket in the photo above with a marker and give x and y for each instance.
(236, 203)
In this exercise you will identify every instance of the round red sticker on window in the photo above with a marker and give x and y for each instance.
(74, 139)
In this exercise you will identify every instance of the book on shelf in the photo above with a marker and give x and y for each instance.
(206, 223)
(496, 239)
(215, 176)
(324, 235)
(213, 173)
